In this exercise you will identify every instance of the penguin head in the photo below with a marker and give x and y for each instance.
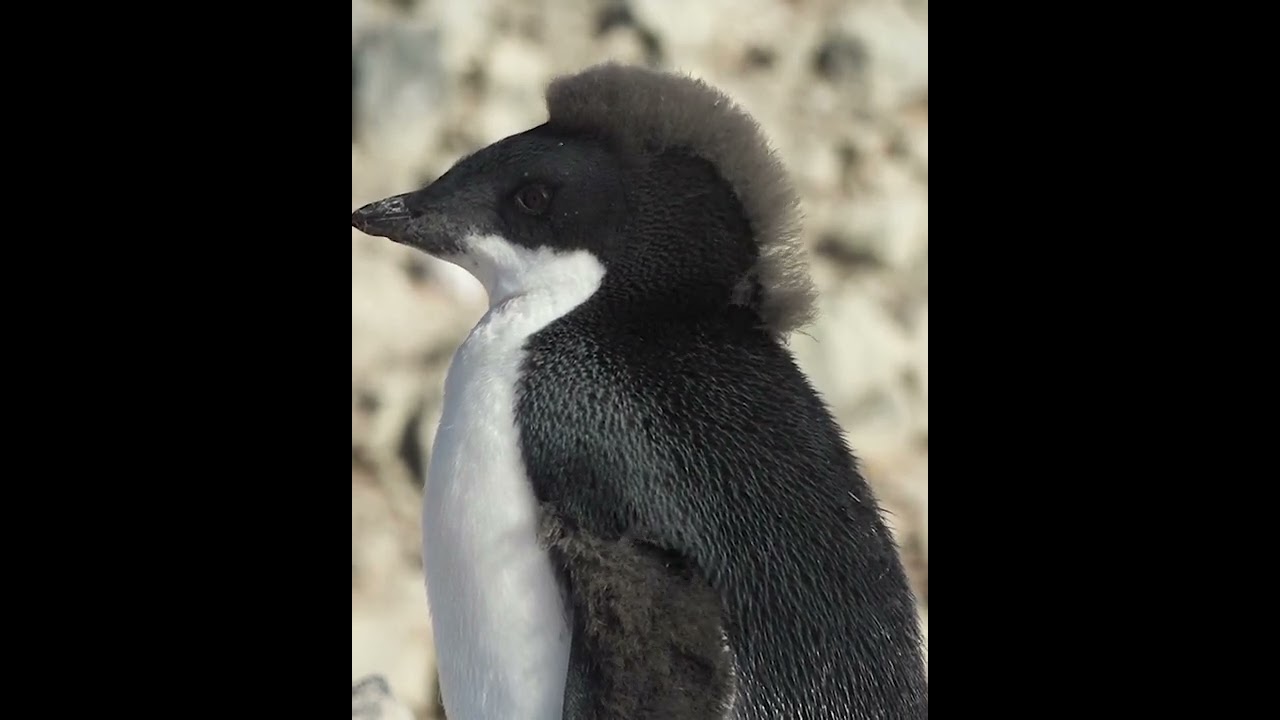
(655, 183)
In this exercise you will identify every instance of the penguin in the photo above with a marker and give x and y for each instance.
(637, 506)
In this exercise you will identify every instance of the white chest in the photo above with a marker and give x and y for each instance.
(501, 628)
(499, 621)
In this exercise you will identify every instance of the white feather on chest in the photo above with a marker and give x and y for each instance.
(500, 625)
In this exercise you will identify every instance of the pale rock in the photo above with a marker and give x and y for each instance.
(693, 27)
(390, 318)
(915, 128)
(390, 623)
(570, 36)
(397, 84)
(906, 229)
(518, 69)
(888, 220)
(466, 29)
(856, 356)
(372, 699)
(818, 168)
(506, 113)
(391, 635)
(922, 349)
(898, 50)
(622, 46)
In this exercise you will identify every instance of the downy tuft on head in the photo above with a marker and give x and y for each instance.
(655, 183)
(649, 111)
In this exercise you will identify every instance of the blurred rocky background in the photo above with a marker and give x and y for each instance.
(841, 88)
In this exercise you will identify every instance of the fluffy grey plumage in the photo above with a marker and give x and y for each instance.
(648, 638)
(650, 110)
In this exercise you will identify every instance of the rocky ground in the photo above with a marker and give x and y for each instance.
(842, 90)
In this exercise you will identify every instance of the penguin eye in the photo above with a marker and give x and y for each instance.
(533, 199)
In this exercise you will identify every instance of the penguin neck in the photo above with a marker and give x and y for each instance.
(697, 270)
(672, 300)
(543, 281)
(538, 285)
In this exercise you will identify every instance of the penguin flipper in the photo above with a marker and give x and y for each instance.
(648, 635)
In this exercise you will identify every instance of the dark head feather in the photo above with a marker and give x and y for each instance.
(651, 111)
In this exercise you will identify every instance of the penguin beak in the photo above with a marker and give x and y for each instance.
(431, 220)
(387, 218)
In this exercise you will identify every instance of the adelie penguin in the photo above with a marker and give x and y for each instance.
(637, 507)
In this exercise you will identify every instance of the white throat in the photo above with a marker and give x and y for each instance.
(501, 628)
(507, 270)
